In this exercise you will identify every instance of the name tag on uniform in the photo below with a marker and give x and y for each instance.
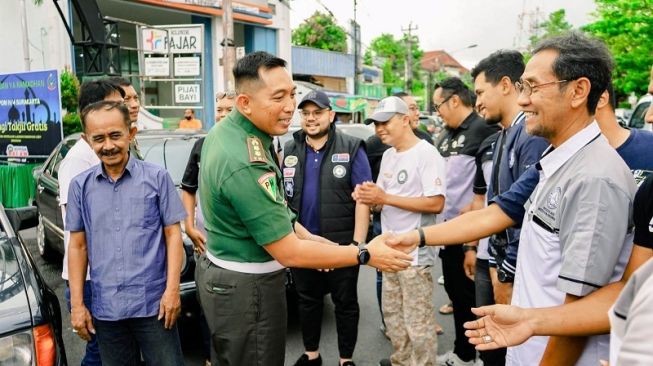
(288, 172)
(340, 158)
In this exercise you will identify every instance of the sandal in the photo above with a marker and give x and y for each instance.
(446, 309)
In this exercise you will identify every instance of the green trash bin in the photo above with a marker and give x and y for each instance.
(17, 186)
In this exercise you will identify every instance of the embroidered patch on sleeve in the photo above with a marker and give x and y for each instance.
(268, 182)
(255, 148)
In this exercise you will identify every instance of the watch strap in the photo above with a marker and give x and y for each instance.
(422, 237)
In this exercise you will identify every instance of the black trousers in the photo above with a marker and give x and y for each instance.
(246, 314)
(312, 285)
(485, 296)
(461, 292)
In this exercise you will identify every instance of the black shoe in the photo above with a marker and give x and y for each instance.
(385, 362)
(304, 361)
(348, 363)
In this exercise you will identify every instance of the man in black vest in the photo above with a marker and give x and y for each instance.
(321, 168)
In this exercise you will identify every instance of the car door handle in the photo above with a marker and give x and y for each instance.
(40, 188)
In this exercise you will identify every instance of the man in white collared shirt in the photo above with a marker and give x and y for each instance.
(577, 228)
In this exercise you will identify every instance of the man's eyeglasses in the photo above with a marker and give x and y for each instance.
(316, 113)
(228, 94)
(524, 86)
(437, 106)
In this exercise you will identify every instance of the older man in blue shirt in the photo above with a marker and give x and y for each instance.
(124, 217)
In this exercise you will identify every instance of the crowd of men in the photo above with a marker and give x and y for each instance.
(529, 197)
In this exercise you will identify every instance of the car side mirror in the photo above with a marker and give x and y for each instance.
(23, 218)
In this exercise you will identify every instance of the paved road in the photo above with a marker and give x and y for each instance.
(371, 346)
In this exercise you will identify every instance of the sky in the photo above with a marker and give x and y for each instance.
(452, 25)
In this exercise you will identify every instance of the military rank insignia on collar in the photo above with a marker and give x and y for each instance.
(255, 148)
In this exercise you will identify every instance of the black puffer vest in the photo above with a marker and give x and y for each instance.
(337, 208)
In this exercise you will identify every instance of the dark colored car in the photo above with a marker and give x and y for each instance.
(30, 317)
(169, 149)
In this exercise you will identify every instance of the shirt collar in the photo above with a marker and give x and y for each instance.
(554, 158)
(129, 168)
(519, 118)
(249, 127)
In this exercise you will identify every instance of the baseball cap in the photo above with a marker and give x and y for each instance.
(319, 98)
(387, 108)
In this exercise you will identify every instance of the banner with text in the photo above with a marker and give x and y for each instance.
(30, 114)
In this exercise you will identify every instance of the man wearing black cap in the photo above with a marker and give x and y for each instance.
(321, 168)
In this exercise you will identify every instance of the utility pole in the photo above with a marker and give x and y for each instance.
(23, 25)
(356, 50)
(409, 57)
(229, 50)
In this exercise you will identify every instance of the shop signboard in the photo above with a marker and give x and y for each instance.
(30, 114)
(187, 93)
(175, 39)
(187, 66)
(157, 66)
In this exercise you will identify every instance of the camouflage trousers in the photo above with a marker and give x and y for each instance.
(410, 316)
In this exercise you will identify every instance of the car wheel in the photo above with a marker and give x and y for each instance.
(43, 243)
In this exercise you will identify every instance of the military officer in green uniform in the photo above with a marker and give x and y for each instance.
(251, 234)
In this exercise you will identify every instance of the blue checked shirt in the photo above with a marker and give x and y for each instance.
(123, 222)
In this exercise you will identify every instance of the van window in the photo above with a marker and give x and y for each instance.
(637, 118)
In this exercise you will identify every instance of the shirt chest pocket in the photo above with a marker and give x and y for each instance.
(146, 211)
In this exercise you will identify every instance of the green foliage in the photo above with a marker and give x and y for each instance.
(626, 26)
(71, 124)
(320, 31)
(389, 54)
(69, 90)
(556, 24)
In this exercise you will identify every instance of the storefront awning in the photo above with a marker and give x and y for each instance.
(262, 18)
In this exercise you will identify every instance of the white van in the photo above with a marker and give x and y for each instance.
(637, 118)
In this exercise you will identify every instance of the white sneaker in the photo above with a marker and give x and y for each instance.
(441, 280)
(451, 359)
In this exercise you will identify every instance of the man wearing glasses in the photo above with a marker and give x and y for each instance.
(459, 144)
(321, 168)
(576, 227)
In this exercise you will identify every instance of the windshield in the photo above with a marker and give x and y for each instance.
(170, 153)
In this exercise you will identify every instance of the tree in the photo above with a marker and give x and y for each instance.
(556, 24)
(389, 54)
(321, 31)
(626, 27)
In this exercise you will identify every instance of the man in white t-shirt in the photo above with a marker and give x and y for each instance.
(409, 192)
(80, 158)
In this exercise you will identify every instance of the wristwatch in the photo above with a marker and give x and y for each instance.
(363, 255)
(422, 237)
(505, 276)
(467, 248)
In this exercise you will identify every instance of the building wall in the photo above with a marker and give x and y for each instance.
(46, 34)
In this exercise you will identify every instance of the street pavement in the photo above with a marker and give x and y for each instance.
(371, 347)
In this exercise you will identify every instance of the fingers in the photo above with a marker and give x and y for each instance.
(474, 324)
(484, 310)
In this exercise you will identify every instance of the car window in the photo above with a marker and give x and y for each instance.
(637, 118)
(169, 153)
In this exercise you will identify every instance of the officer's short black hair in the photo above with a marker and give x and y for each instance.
(454, 86)
(106, 105)
(580, 56)
(247, 68)
(97, 90)
(499, 64)
(401, 94)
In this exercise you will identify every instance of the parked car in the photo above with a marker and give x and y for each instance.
(433, 124)
(169, 149)
(637, 117)
(30, 316)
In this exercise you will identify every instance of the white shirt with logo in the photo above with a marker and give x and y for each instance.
(417, 172)
(80, 158)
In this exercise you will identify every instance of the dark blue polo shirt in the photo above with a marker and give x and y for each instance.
(309, 215)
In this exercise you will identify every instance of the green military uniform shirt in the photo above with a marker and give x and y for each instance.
(243, 203)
